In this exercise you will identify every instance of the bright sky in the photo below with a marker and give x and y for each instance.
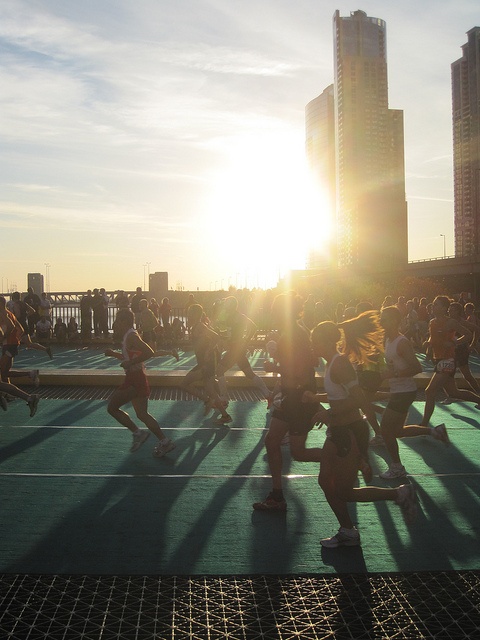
(162, 135)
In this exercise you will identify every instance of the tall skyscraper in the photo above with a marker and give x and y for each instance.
(320, 150)
(466, 146)
(371, 211)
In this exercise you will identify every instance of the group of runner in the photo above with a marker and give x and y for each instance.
(348, 348)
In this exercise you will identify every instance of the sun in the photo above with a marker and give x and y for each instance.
(266, 208)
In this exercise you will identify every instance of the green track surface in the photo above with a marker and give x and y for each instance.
(74, 500)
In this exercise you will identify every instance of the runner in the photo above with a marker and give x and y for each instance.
(346, 447)
(295, 362)
(402, 365)
(135, 388)
(205, 342)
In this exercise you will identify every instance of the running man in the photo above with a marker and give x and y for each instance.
(135, 388)
(445, 335)
(205, 342)
(295, 361)
(241, 330)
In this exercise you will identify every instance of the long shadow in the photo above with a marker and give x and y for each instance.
(191, 547)
(452, 545)
(125, 524)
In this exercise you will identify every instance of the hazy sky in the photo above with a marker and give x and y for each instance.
(159, 135)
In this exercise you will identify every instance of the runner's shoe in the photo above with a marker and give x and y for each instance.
(33, 404)
(138, 439)
(446, 401)
(163, 448)
(440, 433)
(407, 501)
(343, 538)
(224, 419)
(377, 441)
(395, 470)
(3, 403)
(270, 504)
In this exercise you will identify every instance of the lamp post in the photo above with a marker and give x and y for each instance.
(442, 235)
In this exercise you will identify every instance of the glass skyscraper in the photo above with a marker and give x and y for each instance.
(466, 146)
(371, 211)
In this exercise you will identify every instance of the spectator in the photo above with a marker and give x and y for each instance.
(60, 331)
(44, 328)
(33, 300)
(86, 306)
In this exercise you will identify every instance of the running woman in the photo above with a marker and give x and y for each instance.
(346, 447)
(12, 390)
(402, 365)
(135, 388)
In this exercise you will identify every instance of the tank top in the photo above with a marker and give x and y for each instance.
(334, 390)
(398, 364)
(129, 354)
(439, 334)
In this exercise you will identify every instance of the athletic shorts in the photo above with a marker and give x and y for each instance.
(447, 366)
(10, 350)
(138, 380)
(297, 414)
(462, 354)
(369, 380)
(401, 402)
(341, 438)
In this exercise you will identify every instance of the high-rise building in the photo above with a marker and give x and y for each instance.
(35, 280)
(371, 210)
(320, 150)
(466, 146)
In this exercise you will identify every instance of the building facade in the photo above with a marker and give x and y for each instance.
(368, 141)
(466, 146)
(320, 151)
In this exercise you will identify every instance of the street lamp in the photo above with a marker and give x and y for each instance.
(442, 235)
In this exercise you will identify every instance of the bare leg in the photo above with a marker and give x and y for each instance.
(141, 409)
(118, 399)
(273, 445)
(337, 477)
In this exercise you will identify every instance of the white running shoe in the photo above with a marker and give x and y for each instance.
(163, 448)
(407, 501)
(440, 433)
(138, 439)
(343, 538)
